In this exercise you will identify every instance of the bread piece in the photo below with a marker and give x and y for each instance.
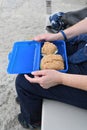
(49, 48)
(52, 61)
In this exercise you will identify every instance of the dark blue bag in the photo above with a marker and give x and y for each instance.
(62, 20)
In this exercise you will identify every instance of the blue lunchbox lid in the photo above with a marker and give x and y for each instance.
(26, 55)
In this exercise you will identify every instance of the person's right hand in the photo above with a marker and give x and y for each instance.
(46, 37)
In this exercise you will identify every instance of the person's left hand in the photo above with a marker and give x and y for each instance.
(46, 78)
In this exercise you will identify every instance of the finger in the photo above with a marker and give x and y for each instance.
(38, 73)
(32, 80)
(39, 38)
(36, 76)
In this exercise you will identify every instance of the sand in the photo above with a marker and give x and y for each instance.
(21, 20)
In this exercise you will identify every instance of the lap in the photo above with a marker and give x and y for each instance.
(61, 93)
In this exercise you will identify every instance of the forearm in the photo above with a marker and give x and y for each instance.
(77, 29)
(75, 81)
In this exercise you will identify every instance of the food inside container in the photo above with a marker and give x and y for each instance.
(53, 56)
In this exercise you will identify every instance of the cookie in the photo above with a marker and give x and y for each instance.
(52, 61)
(49, 48)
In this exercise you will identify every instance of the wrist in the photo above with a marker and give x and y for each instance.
(64, 35)
(60, 78)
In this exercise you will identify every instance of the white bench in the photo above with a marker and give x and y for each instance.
(60, 116)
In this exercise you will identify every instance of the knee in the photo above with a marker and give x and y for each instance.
(19, 80)
(22, 83)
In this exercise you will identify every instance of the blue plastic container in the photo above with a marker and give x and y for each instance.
(24, 58)
(26, 55)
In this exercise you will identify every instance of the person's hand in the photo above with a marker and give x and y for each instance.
(46, 37)
(46, 78)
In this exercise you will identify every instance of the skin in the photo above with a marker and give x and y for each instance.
(50, 78)
(77, 29)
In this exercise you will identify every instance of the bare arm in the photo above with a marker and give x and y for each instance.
(50, 78)
(79, 28)
(75, 81)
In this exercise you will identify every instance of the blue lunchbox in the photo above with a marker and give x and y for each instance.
(26, 55)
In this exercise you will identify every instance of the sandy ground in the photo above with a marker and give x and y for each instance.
(21, 20)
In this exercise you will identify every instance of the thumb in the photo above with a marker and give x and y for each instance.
(32, 80)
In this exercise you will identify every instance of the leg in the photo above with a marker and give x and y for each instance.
(31, 96)
(30, 103)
